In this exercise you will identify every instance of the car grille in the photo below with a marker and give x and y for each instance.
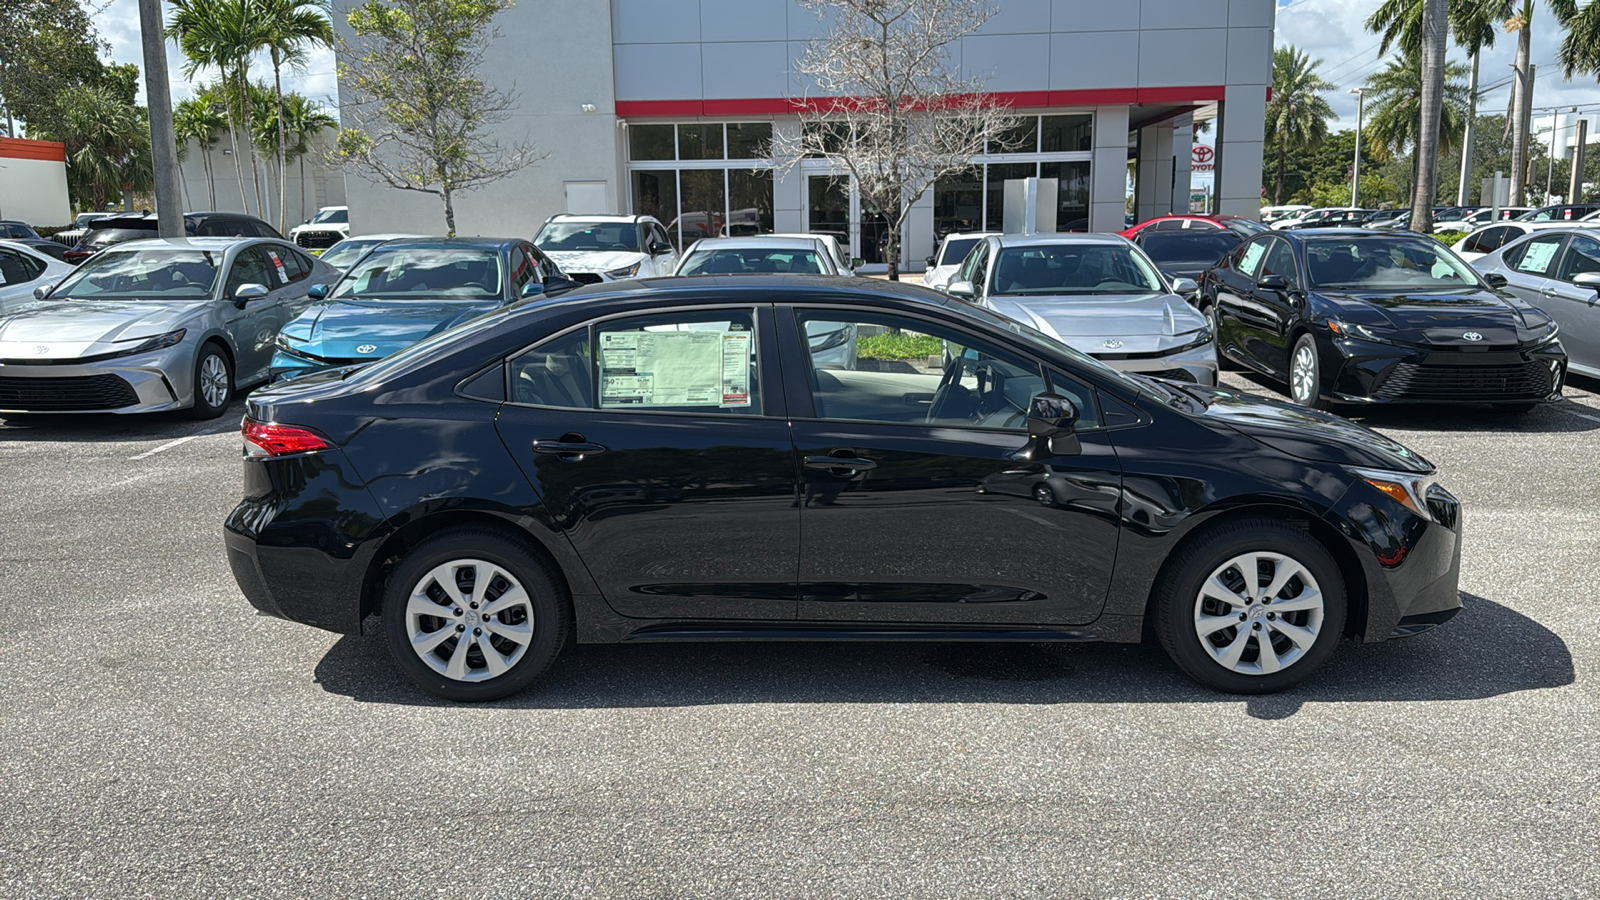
(1172, 375)
(318, 240)
(66, 394)
(1531, 380)
(585, 277)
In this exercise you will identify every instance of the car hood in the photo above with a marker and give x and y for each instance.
(1442, 318)
(1138, 323)
(338, 329)
(1308, 434)
(939, 275)
(69, 329)
(595, 260)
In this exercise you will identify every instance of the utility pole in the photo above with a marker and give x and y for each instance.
(163, 146)
(1470, 135)
(1355, 183)
(1575, 190)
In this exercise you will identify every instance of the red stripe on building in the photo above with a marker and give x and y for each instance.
(22, 148)
(779, 106)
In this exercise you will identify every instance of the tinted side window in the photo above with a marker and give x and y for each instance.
(558, 372)
(1280, 261)
(1582, 256)
(523, 270)
(16, 268)
(1534, 256)
(251, 267)
(972, 269)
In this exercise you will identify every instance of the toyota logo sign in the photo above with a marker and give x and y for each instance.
(1473, 336)
(366, 348)
(1202, 158)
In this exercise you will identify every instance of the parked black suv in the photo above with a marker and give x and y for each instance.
(115, 229)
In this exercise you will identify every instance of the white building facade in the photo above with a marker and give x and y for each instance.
(666, 107)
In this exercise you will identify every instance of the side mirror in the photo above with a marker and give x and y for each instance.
(1051, 420)
(1184, 286)
(533, 289)
(1498, 281)
(857, 262)
(1273, 283)
(962, 289)
(660, 247)
(930, 262)
(1589, 280)
(247, 292)
(43, 290)
(317, 292)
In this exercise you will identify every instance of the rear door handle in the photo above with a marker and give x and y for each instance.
(843, 466)
(570, 451)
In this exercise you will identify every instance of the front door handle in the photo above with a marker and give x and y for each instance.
(841, 466)
(569, 451)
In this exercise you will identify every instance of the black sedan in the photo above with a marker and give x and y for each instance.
(1354, 316)
(667, 461)
(1188, 253)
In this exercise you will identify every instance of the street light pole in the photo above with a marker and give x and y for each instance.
(1355, 183)
(163, 146)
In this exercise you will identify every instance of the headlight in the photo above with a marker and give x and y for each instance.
(282, 343)
(828, 340)
(1548, 336)
(1359, 332)
(159, 342)
(625, 271)
(1405, 488)
(1196, 339)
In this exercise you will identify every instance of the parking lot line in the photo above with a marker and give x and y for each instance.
(167, 446)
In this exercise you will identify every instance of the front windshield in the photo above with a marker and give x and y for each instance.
(1167, 247)
(1073, 269)
(331, 217)
(344, 254)
(147, 274)
(569, 235)
(956, 250)
(1385, 263)
(753, 261)
(423, 273)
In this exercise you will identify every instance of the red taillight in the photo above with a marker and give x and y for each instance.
(271, 439)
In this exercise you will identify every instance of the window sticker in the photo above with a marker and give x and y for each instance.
(1252, 257)
(283, 274)
(1536, 259)
(674, 368)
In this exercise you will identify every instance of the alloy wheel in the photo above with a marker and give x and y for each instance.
(469, 620)
(1258, 613)
(1303, 375)
(214, 380)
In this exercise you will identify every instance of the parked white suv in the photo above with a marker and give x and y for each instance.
(591, 249)
(329, 226)
(947, 259)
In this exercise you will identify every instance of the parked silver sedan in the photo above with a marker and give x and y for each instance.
(1097, 293)
(22, 269)
(154, 325)
(1558, 271)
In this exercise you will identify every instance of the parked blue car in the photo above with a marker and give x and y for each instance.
(405, 290)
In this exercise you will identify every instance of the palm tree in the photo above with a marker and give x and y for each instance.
(1395, 111)
(291, 27)
(1435, 28)
(1580, 49)
(107, 143)
(1297, 115)
(199, 120)
(221, 35)
(305, 121)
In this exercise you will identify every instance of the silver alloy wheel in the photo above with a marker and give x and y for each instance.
(1303, 375)
(1258, 613)
(469, 620)
(214, 380)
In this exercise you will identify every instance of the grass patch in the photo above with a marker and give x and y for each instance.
(897, 346)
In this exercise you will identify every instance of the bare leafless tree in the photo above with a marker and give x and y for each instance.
(894, 110)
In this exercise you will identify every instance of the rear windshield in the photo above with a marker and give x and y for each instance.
(1195, 247)
(150, 274)
(956, 250)
(105, 237)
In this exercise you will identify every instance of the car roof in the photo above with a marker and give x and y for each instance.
(962, 235)
(1060, 237)
(792, 242)
(1313, 234)
(888, 293)
(396, 236)
(487, 243)
(189, 243)
(597, 217)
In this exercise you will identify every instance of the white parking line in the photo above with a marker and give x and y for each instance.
(167, 446)
(1583, 416)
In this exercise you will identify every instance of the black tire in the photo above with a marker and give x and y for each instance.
(1515, 409)
(1178, 602)
(203, 408)
(550, 617)
(1309, 395)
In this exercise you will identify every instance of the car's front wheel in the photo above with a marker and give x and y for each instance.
(473, 614)
(1251, 607)
(213, 383)
(1305, 373)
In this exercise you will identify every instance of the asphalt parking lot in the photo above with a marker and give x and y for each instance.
(157, 738)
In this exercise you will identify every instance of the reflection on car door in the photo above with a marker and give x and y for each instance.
(255, 327)
(1236, 285)
(660, 448)
(1576, 307)
(924, 499)
(1268, 318)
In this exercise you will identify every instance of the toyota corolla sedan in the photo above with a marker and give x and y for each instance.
(153, 325)
(1098, 293)
(666, 461)
(1354, 316)
(404, 290)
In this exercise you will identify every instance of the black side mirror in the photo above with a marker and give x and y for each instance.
(1498, 281)
(659, 247)
(1051, 420)
(1273, 283)
(930, 262)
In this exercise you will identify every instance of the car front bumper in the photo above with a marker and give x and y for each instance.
(1369, 372)
(149, 382)
(1197, 365)
(1411, 564)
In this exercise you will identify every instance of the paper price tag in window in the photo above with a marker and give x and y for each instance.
(283, 274)
(735, 369)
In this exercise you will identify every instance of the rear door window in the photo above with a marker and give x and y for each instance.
(1535, 256)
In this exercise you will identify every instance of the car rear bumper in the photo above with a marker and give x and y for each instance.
(149, 382)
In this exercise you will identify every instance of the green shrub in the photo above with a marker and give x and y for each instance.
(1449, 237)
(896, 346)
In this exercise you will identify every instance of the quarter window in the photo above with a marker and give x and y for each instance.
(16, 268)
(558, 372)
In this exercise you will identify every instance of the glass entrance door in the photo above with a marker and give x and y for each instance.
(833, 206)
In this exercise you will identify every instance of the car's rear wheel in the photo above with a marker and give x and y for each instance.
(213, 383)
(1305, 373)
(1252, 607)
(472, 614)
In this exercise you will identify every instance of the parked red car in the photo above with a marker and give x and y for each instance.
(1239, 225)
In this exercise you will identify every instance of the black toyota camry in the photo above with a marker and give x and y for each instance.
(675, 460)
(1355, 316)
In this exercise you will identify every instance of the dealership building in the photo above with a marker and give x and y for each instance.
(666, 107)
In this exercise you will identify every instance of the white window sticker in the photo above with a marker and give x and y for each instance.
(1537, 258)
(1252, 257)
(674, 368)
(283, 274)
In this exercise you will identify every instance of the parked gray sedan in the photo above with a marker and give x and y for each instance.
(1558, 271)
(155, 324)
(1097, 293)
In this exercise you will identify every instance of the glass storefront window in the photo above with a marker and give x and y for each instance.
(655, 193)
(958, 203)
(749, 202)
(1060, 134)
(704, 208)
(1024, 138)
(996, 200)
(649, 142)
(700, 142)
(749, 140)
(835, 135)
(1072, 193)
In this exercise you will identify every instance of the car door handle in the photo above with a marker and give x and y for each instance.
(843, 466)
(568, 451)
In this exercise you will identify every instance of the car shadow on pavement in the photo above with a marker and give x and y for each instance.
(1487, 650)
(93, 427)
